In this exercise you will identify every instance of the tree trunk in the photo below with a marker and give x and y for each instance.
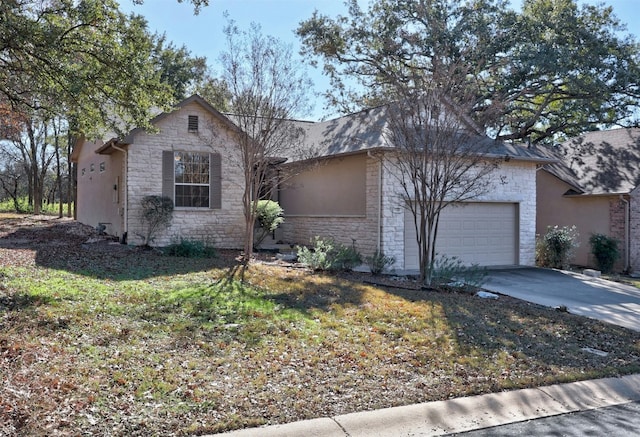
(56, 133)
(70, 191)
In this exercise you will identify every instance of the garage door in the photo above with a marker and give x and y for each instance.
(477, 233)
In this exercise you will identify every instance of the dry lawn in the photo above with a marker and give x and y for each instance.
(106, 340)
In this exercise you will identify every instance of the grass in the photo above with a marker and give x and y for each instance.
(136, 343)
(7, 206)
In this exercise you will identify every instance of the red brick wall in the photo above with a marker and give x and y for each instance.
(617, 224)
(634, 232)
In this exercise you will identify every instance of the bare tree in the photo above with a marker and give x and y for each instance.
(10, 181)
(266, 89)
(33, 144)
(441, 158)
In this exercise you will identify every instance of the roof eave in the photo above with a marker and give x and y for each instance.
(111, 146)
(578, 195)
(506, 156)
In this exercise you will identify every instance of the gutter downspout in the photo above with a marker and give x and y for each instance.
(627, 242)
(125, 231)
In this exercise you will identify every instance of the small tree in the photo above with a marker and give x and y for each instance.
(269, 216)
(266, 89)
(157, 212)
(440, 154)
(605, 250)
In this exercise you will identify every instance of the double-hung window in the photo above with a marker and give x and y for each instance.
(192, 179)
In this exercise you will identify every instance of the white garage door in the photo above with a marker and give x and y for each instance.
(477, 233)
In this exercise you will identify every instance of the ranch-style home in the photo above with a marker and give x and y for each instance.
(594, 186)
(346, 192)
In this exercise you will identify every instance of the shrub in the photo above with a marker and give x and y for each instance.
(326, 254)
(378, 262)
(605, 250)
(555, 249)
(157, 212)
(345, 257)
(190, 249)
(316, 258)
(450, 272)
(269, 217)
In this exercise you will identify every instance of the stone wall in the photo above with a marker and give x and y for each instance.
(513, 182)
(224, 228)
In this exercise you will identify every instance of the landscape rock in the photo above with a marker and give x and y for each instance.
(486, 295)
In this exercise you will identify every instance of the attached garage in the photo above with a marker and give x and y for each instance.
(482, 233)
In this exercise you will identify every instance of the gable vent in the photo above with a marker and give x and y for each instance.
(193, 123)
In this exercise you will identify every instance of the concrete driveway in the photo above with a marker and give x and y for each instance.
(591, 297)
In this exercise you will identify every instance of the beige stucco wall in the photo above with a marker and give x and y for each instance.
(338, 199)
(224, 228)
(100, 188)
(589, 214)
(333, 187)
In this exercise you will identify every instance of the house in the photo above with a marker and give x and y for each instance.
(345, 191)
(190, 158)
(353, 195)
(594, 186)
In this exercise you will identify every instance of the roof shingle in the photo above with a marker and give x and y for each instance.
(600, 162)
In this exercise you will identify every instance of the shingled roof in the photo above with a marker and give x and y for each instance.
(365, 130)
(600, 162)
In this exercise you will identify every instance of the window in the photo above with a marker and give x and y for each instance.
(193, 123)
(191, 171)
(92, 168)
(192, 179)
(103, 166)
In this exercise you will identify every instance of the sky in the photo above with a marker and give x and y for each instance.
(202, 34)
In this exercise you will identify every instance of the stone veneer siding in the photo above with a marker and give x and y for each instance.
(513, 182)
(343, 229)
(224, 227)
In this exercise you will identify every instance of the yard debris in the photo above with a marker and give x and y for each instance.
(595, 351)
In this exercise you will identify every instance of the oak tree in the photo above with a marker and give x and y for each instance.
(549, 70)
(83, 58)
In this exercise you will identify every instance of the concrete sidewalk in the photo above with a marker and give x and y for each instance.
(463, 414)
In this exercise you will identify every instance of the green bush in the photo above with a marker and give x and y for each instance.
(555, 249)
(378, 262)
(605, 250)
(190, 249)
(326, 254)
(269, 217)
(450, 272)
